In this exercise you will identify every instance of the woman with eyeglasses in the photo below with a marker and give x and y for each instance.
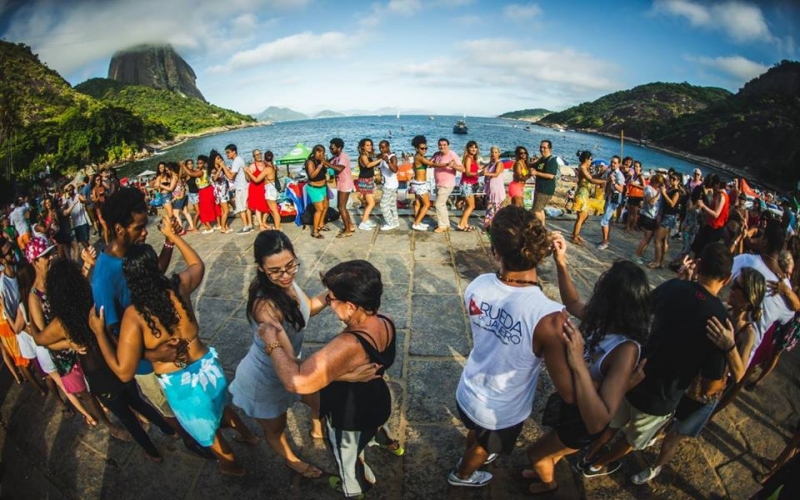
(354, 408)
(161, 312)
(522, 172)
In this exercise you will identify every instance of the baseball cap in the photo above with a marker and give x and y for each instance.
(36, 248)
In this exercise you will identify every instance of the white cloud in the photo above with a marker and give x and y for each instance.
(738, 67)
(517, 12)
(381, 12)
(302, 46)
(70, 35)
(742, 22)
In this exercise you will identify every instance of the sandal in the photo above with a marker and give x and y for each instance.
(310, 471)
(466, 229)
(325, 228)
(316, 235)
(653, 265)
(341, 234)
(91, 422)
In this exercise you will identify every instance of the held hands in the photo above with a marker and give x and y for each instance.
(777, 288)
(559, 245)
(363, 373)
(97, 321)
(169, 228)
(688, 269)
(719, 335)
(573, 340)
(89, 256)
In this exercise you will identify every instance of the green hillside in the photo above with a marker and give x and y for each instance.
(527, 114)
(641, 111)
(43, 121)
(178, 113)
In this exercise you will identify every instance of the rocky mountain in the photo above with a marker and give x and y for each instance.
(45, 122)
(179, 113)
(758, 129)
(276, 114)
(534, 114)
(154, 66)
(327, 113)
(640, 111)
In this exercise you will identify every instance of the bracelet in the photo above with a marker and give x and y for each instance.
(169, 245)
(271, 347)
(731, 348)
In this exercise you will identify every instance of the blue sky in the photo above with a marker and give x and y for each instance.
(439, 56)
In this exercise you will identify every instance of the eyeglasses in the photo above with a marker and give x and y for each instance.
(329, 300)
(290, 269)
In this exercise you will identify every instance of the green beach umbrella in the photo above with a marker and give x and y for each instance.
(298, 154)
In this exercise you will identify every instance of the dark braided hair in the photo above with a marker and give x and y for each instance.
(270, 243)
(150, 289)
(620, 303)
(70, 297)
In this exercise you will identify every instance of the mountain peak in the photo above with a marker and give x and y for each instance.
(155, 66)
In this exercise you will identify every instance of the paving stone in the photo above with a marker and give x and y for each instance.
(432, 390)
(434, 278)
(438, 326)
(212, 313)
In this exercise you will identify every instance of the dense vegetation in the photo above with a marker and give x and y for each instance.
(641, 111)
(529, 114)
(178, 113)
(43, 121)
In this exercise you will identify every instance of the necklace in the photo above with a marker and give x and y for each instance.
(519, 282)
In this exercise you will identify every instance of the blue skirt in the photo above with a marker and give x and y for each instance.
(197, 395)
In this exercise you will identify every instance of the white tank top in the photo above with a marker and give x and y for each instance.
(594, 359)
(498, 383)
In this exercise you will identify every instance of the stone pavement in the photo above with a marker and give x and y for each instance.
(425, 274)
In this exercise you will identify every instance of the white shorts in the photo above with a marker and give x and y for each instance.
(241, 200)
(45, 361)
(270, 193)
(420, 187)
(27, 347)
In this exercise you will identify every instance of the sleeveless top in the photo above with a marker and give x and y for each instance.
(389, 178)
(723, 215)
(473, 169)
(357, 406)
(203, 181)
(594, 359)
(365, 172)
(498, 383)
(261, 359)
(494, 188)
(320, 176)
(64, 359)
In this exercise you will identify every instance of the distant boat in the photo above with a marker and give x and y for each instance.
(398, 113)
(527, 127)
(460, 127)
(431, 117)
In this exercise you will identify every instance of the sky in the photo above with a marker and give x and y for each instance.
(478, 57)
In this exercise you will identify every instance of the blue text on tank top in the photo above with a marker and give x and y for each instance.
(110, 291)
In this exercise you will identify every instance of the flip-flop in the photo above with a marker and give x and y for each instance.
(310, 472)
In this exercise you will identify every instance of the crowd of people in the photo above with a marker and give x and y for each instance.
(109, 329)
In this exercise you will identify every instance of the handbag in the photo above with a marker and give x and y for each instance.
(616, 198)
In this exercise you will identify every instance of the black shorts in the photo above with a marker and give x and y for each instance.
(705, 236)
(647, 223)
(493, 441)
(635, 201)
(82, 233)
(571, 430)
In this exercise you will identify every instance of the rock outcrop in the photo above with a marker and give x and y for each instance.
(155, 66)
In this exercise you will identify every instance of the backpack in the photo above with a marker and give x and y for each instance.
(307, 218)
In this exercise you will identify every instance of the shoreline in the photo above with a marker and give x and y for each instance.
(151, 148)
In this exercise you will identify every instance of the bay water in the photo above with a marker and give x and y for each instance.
(280, 138)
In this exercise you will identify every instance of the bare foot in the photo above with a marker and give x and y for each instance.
(308, 471)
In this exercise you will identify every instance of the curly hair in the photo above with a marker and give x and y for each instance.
(270, 243)
(150, 289)
(519, 238)
(418, 140)
(620, 303)
(70, 297)
(120, 207)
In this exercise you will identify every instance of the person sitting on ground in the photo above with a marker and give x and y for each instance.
(617, 318)
(497, 387)
(681, 310)
(161, 310)
(736, 341)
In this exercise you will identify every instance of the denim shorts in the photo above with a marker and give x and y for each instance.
(669, 221)
(468, 189)
(194, 198)
(691, 424)
(608, 213)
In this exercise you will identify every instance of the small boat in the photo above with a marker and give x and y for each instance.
(431, 117)
(460, 127)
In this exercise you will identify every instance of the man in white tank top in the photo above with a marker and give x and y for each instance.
(515, 328)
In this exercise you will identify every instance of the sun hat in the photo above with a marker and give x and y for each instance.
(36, 248)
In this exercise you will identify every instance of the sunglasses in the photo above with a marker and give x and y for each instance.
(423, 148)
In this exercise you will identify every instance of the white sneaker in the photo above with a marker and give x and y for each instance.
(476, 480)
(365, 227)
(419, 227)
(491, 458)
(207, 231)
(646, 475)
(602, 246)
(424, 224)
(387, 227)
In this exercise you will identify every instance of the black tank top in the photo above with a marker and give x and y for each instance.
(360, 406)
(365, 172)
(320, 176)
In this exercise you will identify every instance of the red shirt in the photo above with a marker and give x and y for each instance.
(723, 214)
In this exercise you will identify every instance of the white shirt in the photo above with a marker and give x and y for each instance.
(78, 212)
(238, 166)
(389, 178)
(774, 306)
(498, 383)
(17, 218)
